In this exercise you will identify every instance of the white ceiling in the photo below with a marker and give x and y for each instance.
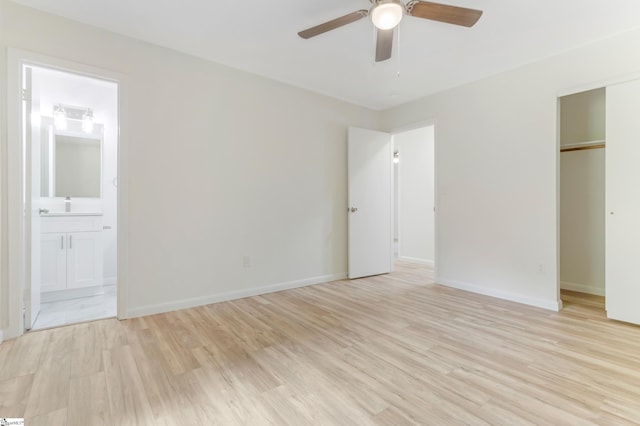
(260, 36)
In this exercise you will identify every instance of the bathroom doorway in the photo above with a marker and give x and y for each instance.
(414, 195)
(70, 147)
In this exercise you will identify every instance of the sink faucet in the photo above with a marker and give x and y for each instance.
(67, 204)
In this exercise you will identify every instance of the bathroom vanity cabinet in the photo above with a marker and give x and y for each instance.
(70, 251)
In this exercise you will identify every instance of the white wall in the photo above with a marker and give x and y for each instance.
(53, 87)
(582, 221)
(498, 170)
(222, 164)
(582, 117)
(416, 237)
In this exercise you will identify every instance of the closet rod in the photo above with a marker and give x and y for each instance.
(582, 148)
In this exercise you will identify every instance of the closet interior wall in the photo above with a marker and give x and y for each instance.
(582, 192)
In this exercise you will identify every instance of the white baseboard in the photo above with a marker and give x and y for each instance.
(550, 304)
(417, 260)
(582, 288)
(231, 295)
(109, 281)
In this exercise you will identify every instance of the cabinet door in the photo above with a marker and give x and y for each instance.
(84, 259)
(622, 284)
(53, 261)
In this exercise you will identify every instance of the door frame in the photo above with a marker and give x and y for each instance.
(572, 90)
(436, 233)
(15, 220)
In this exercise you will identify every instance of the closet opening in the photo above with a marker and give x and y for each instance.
(582, 201)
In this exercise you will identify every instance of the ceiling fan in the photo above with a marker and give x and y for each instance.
(387, 14)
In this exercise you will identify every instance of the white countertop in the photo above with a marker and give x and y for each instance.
(54, 214)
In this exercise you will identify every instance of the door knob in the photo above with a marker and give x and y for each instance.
(45, 211)
(353, 209)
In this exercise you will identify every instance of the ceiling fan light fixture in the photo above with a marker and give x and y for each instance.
(386, 15)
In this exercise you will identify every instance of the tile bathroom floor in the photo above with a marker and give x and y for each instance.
(81, 309)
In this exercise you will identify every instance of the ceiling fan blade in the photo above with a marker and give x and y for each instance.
(444, 13)
(333, 24)
(384, 45)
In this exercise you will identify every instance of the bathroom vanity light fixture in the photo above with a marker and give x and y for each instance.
(87, 121)
(78, 117)
(59, 117)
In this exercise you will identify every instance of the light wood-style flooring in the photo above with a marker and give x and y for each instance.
(386, 350)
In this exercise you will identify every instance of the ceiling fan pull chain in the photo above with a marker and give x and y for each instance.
(397, 43)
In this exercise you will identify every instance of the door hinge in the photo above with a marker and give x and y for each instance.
(26, 95)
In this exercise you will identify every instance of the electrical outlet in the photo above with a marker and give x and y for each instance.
(540, 268)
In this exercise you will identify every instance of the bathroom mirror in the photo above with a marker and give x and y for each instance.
(71, 165)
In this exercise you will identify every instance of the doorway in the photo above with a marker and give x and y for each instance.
(582, 200)
(63, 155)
(74, 122)
(608, 131)
(414, 195)
(391, 194)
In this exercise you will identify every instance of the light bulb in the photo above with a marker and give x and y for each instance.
(59, 118)
(36, 119)
(386, 16)
(87, 121)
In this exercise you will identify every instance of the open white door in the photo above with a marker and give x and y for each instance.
(622, 241)
(32, 144)
(370, 156)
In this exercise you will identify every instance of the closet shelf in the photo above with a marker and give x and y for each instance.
(597, 144)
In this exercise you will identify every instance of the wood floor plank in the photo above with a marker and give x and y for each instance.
(14, 394)
(22, 355)
(50, 388)
(54, 418)
(391, 349)
(86, 356)
(128, 401)
(89, 401)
